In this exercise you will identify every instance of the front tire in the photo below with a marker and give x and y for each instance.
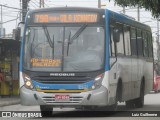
(46, 111)
(114, 107)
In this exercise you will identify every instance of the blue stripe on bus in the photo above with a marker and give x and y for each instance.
(20, 67)
(42, 86)
(107, 40)
(22, 45)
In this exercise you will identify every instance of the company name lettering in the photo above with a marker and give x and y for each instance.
(62, 74)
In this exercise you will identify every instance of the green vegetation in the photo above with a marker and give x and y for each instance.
(150, 5)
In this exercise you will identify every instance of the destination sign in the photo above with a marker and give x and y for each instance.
(65, 17)
(45, 62)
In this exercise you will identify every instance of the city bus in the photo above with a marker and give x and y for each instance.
(84, 58)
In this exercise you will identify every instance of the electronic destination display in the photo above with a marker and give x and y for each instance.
(69, 17)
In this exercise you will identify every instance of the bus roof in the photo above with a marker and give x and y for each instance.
(67, 8)
(116, 16)
(127, 20)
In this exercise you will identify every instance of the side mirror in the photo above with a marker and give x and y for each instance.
(116, 35)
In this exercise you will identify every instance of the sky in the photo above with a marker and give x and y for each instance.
(10, 14)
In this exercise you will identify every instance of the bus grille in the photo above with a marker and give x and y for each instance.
(62, 80)
(51, 100)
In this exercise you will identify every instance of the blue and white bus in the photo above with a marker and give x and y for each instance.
(84, 58)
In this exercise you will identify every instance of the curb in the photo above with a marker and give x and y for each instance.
(7, 103)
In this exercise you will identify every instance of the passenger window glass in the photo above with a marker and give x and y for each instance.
(139, 43)
(120, 44)
(150, 45)
(133, 42)
(145, 43)
(127, 40)
(112, 44)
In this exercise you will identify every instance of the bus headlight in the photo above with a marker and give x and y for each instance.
(97, 81)
(27, 81)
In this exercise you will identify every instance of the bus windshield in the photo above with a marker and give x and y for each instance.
(64, 49)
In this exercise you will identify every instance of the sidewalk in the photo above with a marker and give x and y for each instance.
(9, 100)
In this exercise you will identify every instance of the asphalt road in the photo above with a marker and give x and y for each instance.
(152, 103)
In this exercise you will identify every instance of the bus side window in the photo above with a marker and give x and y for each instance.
(120, 44)
(149, 37)
(127, 40)
(139, 42)
(145, 44)
(112, 47)
(112, 44)
(133, 42)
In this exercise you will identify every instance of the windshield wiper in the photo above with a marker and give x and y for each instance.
(49, 38)
(79, 31)
(69, 37)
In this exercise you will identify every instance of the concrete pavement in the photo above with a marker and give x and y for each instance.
(9, 100)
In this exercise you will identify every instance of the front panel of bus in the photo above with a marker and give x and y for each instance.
(63, 57)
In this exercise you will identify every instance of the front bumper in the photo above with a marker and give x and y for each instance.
(97, 97)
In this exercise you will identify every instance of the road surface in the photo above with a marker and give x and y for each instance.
(152, 103)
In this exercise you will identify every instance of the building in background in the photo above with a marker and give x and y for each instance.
(2, 33)
(9, 67)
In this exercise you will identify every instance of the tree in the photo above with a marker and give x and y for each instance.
(150, 5)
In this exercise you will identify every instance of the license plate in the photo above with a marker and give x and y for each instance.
(62, 97)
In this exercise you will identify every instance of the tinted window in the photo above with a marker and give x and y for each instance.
(120, 44)
(149, 37)
(127, 40)
(145, 43)
(139, 43)
(112, 45)
(133, 42)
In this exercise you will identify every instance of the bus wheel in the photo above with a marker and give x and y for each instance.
(139, 102)
(46, 111)
(114, 107)
(130, 104)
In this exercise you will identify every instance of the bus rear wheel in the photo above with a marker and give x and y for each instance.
(139, 102)
(46, 111)
(130, 104)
